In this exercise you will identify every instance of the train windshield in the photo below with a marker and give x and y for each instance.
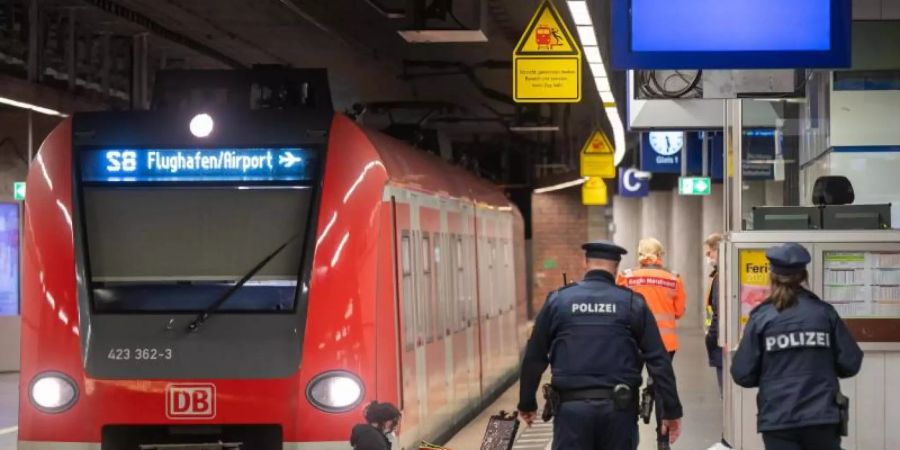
(178, 237)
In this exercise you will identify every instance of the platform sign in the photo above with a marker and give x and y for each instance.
(694, 186)
(597, 158)
(122, 165)
(19, 190)
(593, 192)
(633, 183)
(547, 60)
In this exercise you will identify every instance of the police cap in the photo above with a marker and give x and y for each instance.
(788, 259)
(604, 250)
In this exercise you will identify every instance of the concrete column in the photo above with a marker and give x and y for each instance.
(627, 226)
(656, 218)
(684, 250)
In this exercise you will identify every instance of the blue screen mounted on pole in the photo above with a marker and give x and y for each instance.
(129, 165)
(730, 34)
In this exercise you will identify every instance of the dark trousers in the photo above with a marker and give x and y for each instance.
(822, 437)
(658, 408)
(594, 425)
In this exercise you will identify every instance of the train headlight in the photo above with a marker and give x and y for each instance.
(201, 125)
(53, 392)
(335, 391)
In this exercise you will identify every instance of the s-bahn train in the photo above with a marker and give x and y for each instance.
(241, 267)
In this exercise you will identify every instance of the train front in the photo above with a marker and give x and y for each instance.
(166, 285)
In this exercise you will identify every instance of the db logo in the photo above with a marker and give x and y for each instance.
(190, 401)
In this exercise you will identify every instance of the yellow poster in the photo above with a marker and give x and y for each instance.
(754, 270)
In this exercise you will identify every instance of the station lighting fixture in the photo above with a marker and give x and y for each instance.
(556, 187)
(201, 125)
(35, 108)
(53, 392)
(335, 391)
(588, 36)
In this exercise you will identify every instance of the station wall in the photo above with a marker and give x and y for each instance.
(560, 225)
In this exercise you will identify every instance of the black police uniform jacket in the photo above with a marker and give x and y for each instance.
(795, 358)
(595, 334)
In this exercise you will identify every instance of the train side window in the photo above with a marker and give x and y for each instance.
(459, 317)
(427, 288)
(440, 304)
(409, 315)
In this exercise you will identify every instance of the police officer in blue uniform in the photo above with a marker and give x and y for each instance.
(596, 336)
(795, 347)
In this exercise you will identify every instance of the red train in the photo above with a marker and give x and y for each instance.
(251, 278)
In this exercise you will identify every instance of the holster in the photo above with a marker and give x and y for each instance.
(551, 402)
(646, 409)
(843, 404)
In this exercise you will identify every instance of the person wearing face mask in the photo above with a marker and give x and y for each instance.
(713, 351)
(381, 420)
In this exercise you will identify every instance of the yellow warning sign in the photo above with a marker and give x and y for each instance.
(593, 192)
(597, 157)
(547, 60)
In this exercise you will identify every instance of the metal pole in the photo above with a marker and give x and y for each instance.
(733, 156)
(30, 136)
(705, 150)
(33, 42)
(684, 155)
(107, 63)
(71, 48)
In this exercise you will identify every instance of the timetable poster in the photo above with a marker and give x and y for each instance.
(9, 259)
(863, 284)
(754, 267)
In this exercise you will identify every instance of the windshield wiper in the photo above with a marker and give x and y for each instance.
(195, 324)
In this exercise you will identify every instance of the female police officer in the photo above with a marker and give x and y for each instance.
(794, 349)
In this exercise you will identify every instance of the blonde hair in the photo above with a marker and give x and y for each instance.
(713, 240)
(649, 250)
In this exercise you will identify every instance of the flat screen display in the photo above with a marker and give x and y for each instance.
(730, 34)
(732, 25)
(9, 259)
(127, 165)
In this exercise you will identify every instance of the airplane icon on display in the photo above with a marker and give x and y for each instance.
(287, 159)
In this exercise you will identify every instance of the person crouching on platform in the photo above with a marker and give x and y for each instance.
(664, 292)
(381, 420)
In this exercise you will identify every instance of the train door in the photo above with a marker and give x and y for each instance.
(445, 298)
(473, 318)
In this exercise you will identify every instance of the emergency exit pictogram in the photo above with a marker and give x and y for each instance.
(694, 186)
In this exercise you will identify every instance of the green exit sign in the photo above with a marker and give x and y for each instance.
(694, 186)
(19, 190)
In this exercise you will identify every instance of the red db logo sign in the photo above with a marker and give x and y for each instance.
(190, 401)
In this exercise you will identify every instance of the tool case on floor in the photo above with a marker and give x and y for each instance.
(501, 432)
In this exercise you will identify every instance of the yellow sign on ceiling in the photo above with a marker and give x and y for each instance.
(597, 157)
(593, 192)
(547, 60)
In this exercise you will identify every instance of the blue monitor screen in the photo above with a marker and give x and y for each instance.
(730, 25)
(129, 165)
(730, 34)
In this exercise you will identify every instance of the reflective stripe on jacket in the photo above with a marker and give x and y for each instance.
(664, 292)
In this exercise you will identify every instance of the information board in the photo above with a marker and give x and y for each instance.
(754, 288)
(197, 165)
(9, 259)
(862, 284)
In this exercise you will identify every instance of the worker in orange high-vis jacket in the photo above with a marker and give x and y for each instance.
(664, 292)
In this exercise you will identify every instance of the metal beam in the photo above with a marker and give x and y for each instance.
(163, 32)
(71, 49)
(34, 63)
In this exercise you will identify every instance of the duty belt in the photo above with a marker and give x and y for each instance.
(585, 394)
